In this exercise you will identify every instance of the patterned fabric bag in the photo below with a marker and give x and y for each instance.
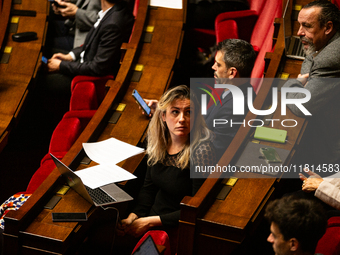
(13, 203)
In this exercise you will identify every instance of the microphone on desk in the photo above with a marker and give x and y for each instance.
(24, 37)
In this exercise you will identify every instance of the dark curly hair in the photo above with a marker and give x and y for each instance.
(303, 219)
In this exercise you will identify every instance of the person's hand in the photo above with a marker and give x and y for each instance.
(55, 9)
(68, 10)
(139, 226)
(303, 78)
(312, 183)
(61, 56)
(152, 103)
(124, 225)
(53, 65)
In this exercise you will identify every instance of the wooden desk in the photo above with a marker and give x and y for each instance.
(5, 8)
(24, 60)
(30, 229)
(42, 7)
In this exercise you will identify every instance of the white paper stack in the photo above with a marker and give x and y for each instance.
(174, 4)
(107, 154)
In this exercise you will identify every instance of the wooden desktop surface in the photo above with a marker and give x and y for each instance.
(24, 60)
(5, 8)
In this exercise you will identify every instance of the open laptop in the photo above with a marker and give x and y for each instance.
(105, 195)
(147, 247)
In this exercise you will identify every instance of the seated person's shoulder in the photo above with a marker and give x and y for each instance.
(205, 150)
(122, 14)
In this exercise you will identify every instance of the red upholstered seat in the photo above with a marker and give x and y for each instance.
(262, 38)
(65, 134)
(84, 97)
(254, 25)
(87, 94)
(229, 30)
(41, 174)
(63, 137)
(258, 69)
(84, 116)
(159, 237)
(135, 13)
(99, 83)
(241, 29)
(257, 5)
(263, 28)
(329, 244)
(206, 38)
(57, 154)
(135, 8)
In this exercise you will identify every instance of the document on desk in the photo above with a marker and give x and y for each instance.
(110, 151)
(107, 154)
(174, 4)
(101, 175)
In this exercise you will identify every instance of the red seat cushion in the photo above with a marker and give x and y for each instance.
(83, 116)
(245, 21)
(226, 29)
(84, 97)
(329, 244)
(40, 175)
(272, 10)
(99, 83)
(57, 154)
(65, 134)
(159, 237)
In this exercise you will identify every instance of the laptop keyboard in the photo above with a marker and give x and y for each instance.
(99, 196)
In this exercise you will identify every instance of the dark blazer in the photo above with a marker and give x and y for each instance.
(86, 16)
(102, 44)
(224, 133)
(320, 143)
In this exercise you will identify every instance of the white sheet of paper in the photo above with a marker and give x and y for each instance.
(100, 175)
(174, 4)
(110, 151)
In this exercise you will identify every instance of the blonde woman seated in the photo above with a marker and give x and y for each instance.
(167, 179)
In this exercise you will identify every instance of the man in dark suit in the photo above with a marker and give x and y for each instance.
(319, 33)
(78, 17)
(100, 54)
(234, 60)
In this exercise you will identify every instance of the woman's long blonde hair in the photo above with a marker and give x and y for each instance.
(158, 134)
